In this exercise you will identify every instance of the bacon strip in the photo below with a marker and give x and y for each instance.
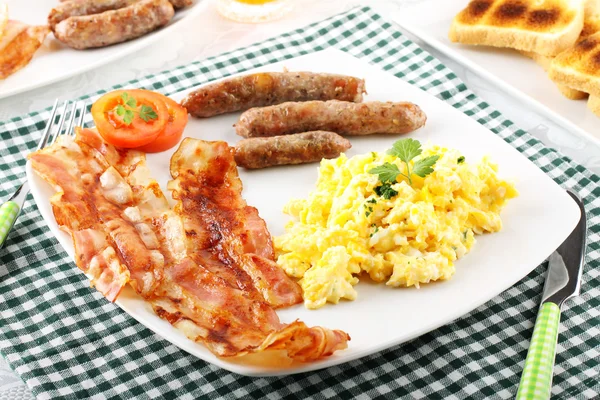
(92, 250)
(208, 310)
(206, 266)
(200, 303)
(255, 237)
(208, 190)
(76, 212)
(220, 226)
(91, 194)
(306, 344)
(18, 43)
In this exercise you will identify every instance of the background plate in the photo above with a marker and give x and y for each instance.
(381, 316)
(55, 61)
(513, 72)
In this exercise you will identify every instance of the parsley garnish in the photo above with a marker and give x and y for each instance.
(147, 113)
(406, 150)
(423, 167)
(460, 159)
(385, 190)
(128, 109)
(375, 231)
(369, 206)
(388, 173)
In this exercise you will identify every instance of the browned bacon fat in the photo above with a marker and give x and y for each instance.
(354, 119)
(115, 26)
(268, 88)
(300, 148)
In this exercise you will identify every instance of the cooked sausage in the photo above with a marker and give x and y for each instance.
(177, 4)
(300, 148)
(336, 116)
(268, 88)
(181, 3)
(114, 26)
(77, 8)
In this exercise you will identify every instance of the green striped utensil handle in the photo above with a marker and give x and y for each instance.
(9, 212)
(536, 381)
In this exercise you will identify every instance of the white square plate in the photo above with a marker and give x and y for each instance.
(535, 224)
(55, 61)
(513, 72)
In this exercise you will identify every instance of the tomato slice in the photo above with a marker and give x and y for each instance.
(114, 126)
(178, 118)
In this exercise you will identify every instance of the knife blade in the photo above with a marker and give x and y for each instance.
(566, 263)
(563, 281)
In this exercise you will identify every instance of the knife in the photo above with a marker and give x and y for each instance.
(562, 283)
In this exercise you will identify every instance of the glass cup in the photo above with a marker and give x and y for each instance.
(253, 11)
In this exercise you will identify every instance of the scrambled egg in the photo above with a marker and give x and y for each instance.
(345, 228)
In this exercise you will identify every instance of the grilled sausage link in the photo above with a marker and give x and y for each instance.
(342, 117)
(116, 26)
(300, 148)
(77, 8)
(181, 3)
(268, 88)
(177, 4)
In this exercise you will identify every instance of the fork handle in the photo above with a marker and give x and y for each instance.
(536, 381)
(9, 212)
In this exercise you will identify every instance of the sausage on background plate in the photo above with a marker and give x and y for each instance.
(300, 148)
(345, 118)
(181, 3)
(84, 7)
(176, 3)
(115, 26)
(268, 88)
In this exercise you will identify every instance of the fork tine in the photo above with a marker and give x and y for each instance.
(49, 124)
(61, 121)
(81, 117)
(69, 130)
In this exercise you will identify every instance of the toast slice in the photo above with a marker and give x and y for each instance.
(545, 27)
(579, 67)
(594, 104)
(591, 25)
(544, 62)
(591, 7)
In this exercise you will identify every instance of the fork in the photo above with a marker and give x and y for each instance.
(10, 210)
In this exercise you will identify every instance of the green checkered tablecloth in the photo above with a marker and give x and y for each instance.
(65, 340)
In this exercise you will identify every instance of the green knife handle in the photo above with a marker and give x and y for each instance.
(536, 381)
(9, 212)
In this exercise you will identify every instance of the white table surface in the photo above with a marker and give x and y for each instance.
(212, 34)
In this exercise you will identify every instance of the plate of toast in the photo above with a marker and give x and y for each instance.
(545, 52)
